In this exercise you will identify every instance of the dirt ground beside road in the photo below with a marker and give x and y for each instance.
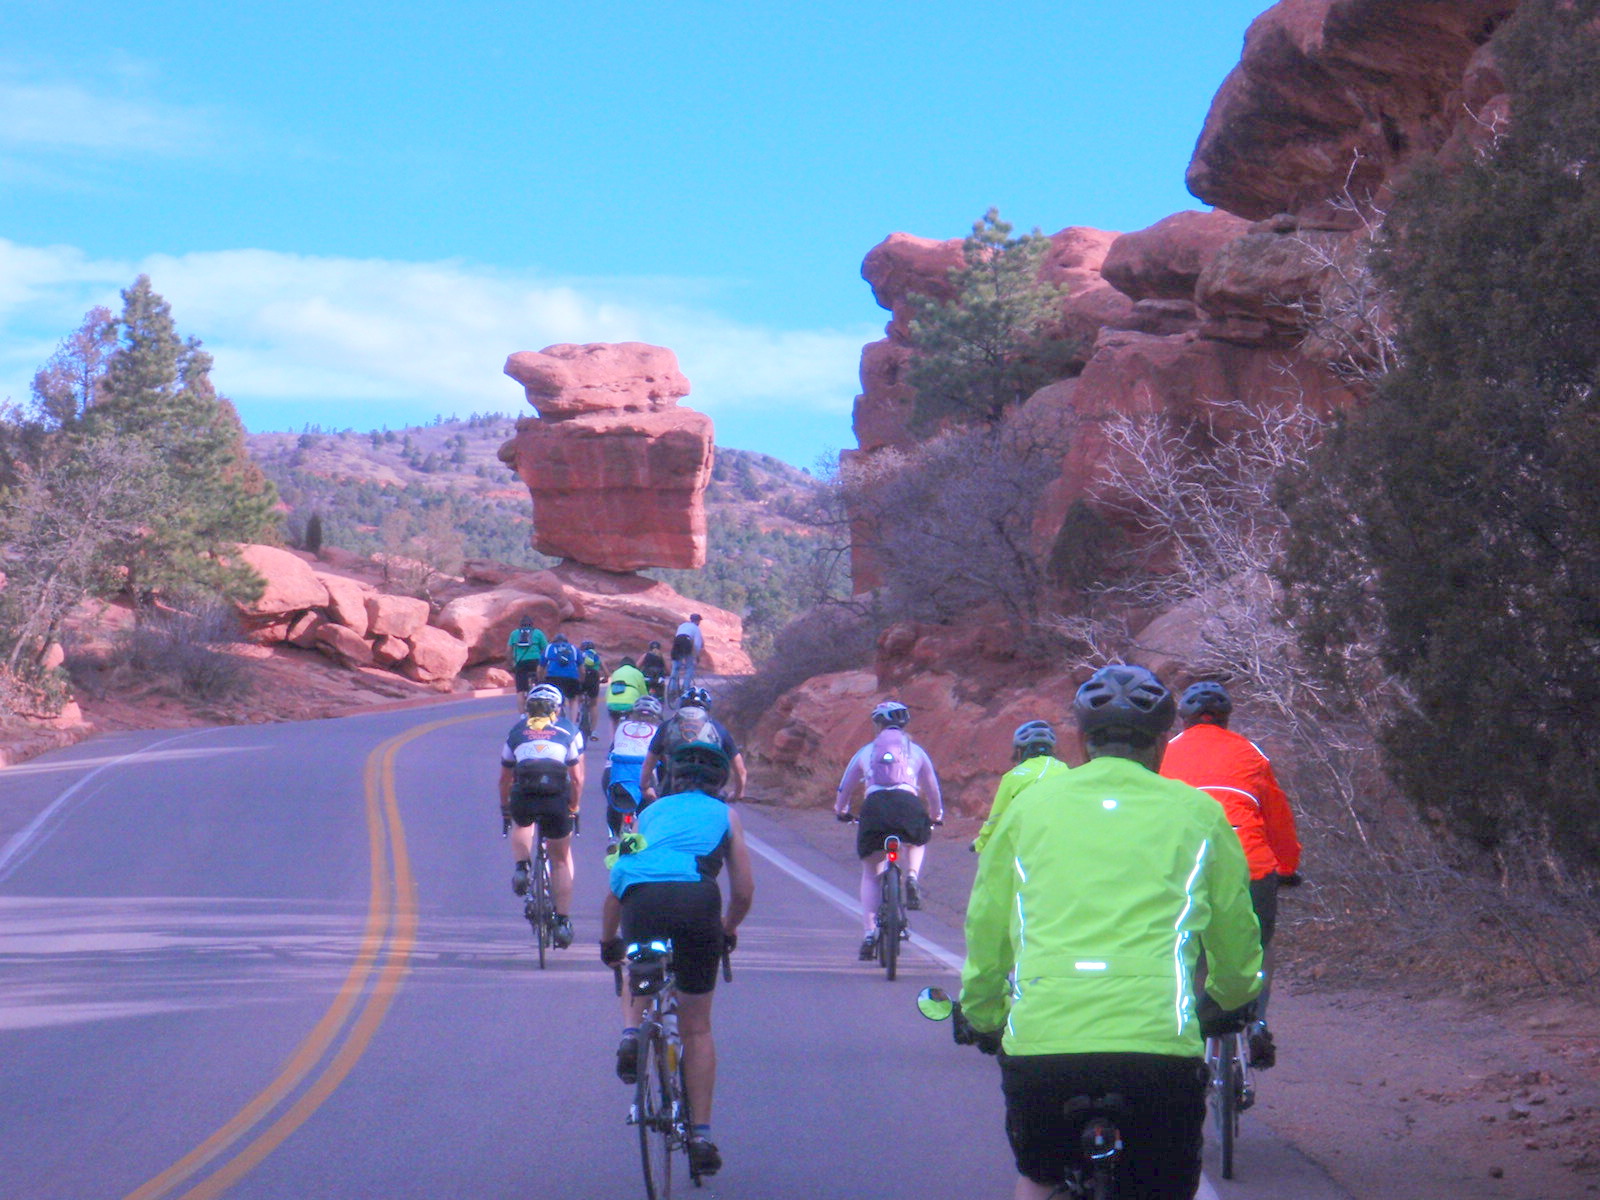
(1400, 1091)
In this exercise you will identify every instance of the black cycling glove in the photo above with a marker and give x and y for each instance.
(1291, 880)
(730, 942)
(612, 952)
(965, 1035)
(1233, 1020)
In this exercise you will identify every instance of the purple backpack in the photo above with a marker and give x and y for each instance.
(889, 762)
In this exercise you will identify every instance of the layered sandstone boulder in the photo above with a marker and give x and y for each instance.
(291, 584)
(435, 656)
(616, 467)
(1165, 261)
(1332, 96)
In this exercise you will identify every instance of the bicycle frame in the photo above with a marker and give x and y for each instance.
(660, 1107)
(539, 908)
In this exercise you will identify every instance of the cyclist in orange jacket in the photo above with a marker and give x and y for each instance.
(1231, 768)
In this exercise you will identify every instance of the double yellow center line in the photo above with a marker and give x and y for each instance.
(345, 1030)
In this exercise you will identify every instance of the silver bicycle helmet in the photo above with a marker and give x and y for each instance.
(1031, 739)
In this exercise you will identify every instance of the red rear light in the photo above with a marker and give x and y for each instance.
(893, 856)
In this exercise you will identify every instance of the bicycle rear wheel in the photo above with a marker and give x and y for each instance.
(891, 922)
(652, 1099)
(543, 915)
(1225, 1084)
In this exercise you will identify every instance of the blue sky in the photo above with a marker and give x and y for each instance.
(361, 210)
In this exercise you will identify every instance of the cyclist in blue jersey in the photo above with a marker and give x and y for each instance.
(667, 889)
(630, 744)
(562, 670)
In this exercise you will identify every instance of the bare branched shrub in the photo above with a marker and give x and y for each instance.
(183, 650)
(828, 638)
(1214, 489)
(1349, 323)
(952, 521)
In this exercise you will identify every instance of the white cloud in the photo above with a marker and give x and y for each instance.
(68, 117)
(381, 341)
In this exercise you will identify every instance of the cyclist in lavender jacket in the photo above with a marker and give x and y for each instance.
(902, 798)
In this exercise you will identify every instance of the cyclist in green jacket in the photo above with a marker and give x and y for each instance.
(1033, 748)
(525, 651)
(1097, 890)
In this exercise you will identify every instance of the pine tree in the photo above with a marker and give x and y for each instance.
(997, 340)
(1462, 506)
(157, 390)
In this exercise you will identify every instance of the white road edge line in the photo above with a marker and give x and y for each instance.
(35, 831)
(840, 899)
(850, 904)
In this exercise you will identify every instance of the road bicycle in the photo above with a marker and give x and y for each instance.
(660, 1108)
(1230, 1089)
(538, 906)
(1091, 1172)
(680, 681)
(586, 717)
(892, 925)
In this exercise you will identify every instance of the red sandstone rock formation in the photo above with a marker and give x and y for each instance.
(1330, 90)
(616, 468)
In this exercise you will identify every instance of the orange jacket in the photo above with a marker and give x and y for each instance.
(1231, 768)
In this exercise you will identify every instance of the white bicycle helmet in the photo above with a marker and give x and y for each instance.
(891, 714)
(544, 700)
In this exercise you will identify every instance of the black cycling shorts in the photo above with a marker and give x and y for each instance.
(527, 674)
(896, 812)
(551, 813)
(688, 913)
(590, 685)
(567, 686)
(1162, 1121)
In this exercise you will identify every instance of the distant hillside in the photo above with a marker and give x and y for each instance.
(439, 492)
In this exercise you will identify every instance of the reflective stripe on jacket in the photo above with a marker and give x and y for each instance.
(1230, 768)
(1098, 888)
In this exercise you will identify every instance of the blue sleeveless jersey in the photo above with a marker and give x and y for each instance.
(684, 837)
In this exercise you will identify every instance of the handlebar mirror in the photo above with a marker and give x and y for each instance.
(935, 1004)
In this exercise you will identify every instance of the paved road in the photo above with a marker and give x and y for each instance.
(284, 961)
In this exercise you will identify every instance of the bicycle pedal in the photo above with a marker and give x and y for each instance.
(633, 1114)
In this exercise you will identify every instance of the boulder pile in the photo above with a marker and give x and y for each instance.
(310, 605)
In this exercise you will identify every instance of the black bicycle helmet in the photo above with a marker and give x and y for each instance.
(696, 697)
(586, 645)
(891, 714)
(653, 646)
(1207, 698)
(701, 766)
(1124, 705)
(1032, 739)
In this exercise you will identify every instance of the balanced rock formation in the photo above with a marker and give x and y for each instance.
(616, 467)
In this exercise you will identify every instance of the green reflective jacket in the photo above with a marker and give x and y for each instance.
(1097, 889)
(1029, 771)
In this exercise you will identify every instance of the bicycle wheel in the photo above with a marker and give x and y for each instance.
(652, 1100)
(544, 914)
(1225, 1083)
(683, 1123)
(586, 718)
(891, 922)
